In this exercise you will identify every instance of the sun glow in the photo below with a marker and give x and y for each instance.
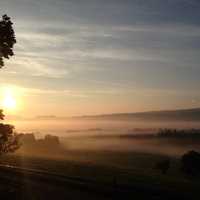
(8, 99)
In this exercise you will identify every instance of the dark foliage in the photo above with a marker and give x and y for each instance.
(191, 163)
(7, 39)
(47, 145)
(163, 166)
(1, 115)
(174, 133)
(8, 139)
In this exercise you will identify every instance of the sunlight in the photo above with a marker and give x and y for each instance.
(9, 101)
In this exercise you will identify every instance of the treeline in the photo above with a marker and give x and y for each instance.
(48, 144)
(175, 133)
(165, 134)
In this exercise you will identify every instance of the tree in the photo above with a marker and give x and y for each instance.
(7, 39)
(191, 163)
(8, 137)
(1, 115)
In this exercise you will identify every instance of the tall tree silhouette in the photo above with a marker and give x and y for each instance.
(8, 138)
(7, 39)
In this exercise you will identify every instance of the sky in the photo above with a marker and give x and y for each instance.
(76, 57)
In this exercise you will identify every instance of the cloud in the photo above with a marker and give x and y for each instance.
(103, 89)
(35, 67)
(91, 48)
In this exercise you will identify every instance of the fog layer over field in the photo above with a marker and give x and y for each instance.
(103, 135)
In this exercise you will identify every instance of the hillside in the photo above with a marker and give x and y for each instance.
(168, 115)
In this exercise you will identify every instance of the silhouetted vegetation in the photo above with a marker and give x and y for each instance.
(7, 39)
(165, 133)
(8, 138)
(29, 144)
(1, 115)
(191, 163)
(174, 133)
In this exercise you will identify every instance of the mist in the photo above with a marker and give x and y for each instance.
(73, 127)
(103, 135)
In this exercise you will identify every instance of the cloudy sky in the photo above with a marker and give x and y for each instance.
(76, 57)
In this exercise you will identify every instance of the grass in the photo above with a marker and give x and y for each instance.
(121, 168)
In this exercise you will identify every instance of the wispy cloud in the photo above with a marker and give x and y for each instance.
(87, 49)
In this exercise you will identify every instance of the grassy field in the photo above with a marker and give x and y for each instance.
(122, 169)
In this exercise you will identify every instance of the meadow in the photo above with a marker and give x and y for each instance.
(114, 169)
(113, 156)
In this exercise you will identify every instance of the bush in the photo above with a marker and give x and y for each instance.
(8, 139)
(191, 163)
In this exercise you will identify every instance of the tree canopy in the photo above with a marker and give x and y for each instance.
(7, 39)
(191, 163)
(8, 137)
(1, 115)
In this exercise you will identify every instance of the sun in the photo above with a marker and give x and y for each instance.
(9, 101)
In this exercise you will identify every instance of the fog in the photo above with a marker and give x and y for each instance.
(129, 145)
(99, 135)
(62, 127)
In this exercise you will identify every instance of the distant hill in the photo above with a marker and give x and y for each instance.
(171, 115)
(192, 114)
